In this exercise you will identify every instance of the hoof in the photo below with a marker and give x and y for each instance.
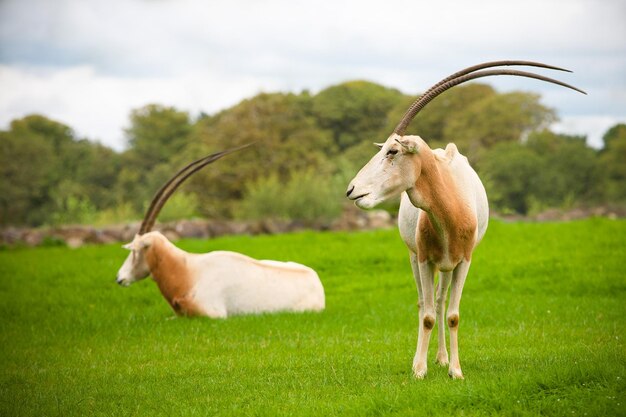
(419, 371)
(455, 374)
(442, 359)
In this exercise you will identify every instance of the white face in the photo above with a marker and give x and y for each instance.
(394, 169)
(135, 267)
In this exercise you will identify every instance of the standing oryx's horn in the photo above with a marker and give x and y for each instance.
(471, 73)
(164, 193)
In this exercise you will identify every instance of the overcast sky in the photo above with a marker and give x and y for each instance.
(88, 63)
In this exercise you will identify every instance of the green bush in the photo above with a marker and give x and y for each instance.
(73, 210)
(308, 196)
(179, 206)
(120, 213)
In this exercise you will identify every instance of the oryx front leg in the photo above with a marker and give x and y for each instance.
(458, 280)
(427, 318)
(442, 292)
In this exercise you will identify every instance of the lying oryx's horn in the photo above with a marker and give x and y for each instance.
(164, 193)
(472, 73)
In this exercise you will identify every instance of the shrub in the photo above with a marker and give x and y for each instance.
(73, 210)
(308, 196)
(179, 206)
(121, 213)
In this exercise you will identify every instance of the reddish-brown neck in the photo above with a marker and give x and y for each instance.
(449, 229)
(168, 266)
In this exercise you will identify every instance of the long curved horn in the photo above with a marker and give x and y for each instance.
(470, 74)
(164, 193)
(495, 64)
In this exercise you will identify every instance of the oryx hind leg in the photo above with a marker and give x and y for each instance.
(442, 293)
(458, 280)
(427, 316)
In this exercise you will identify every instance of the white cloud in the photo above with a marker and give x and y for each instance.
(88, 63)
(593, 126)
(97, 107)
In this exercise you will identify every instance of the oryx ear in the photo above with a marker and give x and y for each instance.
(379, 145)
(138, 243)
(409, 145)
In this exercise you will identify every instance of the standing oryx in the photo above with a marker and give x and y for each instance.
(443, 211)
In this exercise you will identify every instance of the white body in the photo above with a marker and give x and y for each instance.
(443, 216)
(220, 284)
(230, 283)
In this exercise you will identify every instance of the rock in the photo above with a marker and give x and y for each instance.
(171, 234)
(549, 215)
(274, 226)
(379, 219)
(106, 237)
(113, 234)
(11, 236)
(33, 237)
(352, 218)
(218, 228)
(239, 228)
(74, 241)
(192, 228)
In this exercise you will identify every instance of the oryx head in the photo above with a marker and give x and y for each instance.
(397, 165)
(135, 267)
(394, 169)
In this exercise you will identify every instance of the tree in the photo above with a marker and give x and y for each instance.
(569, 170)
(157, 134)
(45, 170)
(613, 162)
(286, 139)
(509, 172)
(432, 122)
(35, 158)
(26, 166)
(549, 170)
(354, 111)
(508, 117)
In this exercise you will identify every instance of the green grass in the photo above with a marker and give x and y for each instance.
(542, 332)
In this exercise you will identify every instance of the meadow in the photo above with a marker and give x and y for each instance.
(541, 332)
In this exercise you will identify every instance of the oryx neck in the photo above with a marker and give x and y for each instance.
(436, 193)
(168, 266)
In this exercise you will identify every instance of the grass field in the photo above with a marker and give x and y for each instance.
(542, 332)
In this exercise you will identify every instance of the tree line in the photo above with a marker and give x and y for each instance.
(307, 148)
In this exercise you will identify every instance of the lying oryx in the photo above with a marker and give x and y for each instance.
(443, 212)
(216, 284)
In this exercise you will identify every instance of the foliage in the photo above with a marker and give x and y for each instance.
(48, 175)
(119, 213)
(433, 121)
(307, 196)
(548, 170)
(613, 163)
(156, 135)
(26, 177)
(500, 118)
(43, 166)
(354, 111)
(73, 210)
(180, 206)
(286, 139)
(537, 336)
(510, 170)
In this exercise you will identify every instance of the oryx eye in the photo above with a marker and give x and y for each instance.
(392, 152)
